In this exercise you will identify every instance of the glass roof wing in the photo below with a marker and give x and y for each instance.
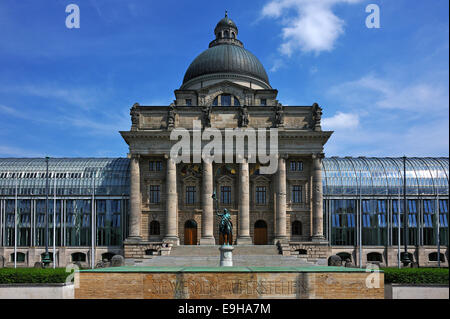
(72, 176)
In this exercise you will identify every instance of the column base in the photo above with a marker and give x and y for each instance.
(280, 239)
(207, 241)
(132, 239)
(318, 239)
(247, 240)
(172, 240)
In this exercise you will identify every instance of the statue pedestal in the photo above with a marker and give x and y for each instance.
(226, 256)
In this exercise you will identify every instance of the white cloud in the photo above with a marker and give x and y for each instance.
(395, 118)
(386, 94)
(341, 121)
(277, 64)
(312, 28)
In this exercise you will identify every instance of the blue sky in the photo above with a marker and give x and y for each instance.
(67, 92)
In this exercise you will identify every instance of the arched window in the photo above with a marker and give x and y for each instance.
(344, 256)
(376, 257)
(154, 228)
(226, 34)
(434, 257)
(20, 257)
(297, 228)
(226, 100)
(108, 256)
(78, 257)
(233, 35)
(151, 252)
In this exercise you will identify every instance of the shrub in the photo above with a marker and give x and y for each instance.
(32, 275)
(416, 275)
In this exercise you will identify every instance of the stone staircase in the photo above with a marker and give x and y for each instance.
(208, 256)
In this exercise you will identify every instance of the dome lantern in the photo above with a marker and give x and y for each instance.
(226, 58)
(226, 28)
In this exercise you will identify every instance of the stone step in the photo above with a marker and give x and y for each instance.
(211, 261)
(213, 250)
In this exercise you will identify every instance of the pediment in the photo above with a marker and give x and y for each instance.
(223, 85)
(225, 179)
(261, 179)
(190, 179)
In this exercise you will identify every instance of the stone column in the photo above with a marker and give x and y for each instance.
(171, 235)
(317, 197)
(280, 230)
(207, 205)
(135, 199)
(244, 205)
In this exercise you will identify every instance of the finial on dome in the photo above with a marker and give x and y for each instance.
(226, 14)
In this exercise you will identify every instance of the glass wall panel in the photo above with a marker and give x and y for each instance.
(9, 219)
(343, 221)
(109, 222)
(24, 222)
(374, 222)
(78, 222)
(58, 236)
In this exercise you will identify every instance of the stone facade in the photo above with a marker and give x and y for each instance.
(176, 198)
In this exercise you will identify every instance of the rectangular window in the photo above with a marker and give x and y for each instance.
(366, 220)
(155, 166)
(155, 194)
(365, 206)
(412, 206)
(190, 194)
(381, 220)
(351, 220)
(443, 220)
(293, 166)
(381, 206)
(297, 166)
(428, 207)
(412, 220)
(263, 102)
(443, 206)
(188, 102)
(225, 194)
(296, 193)
(261, 194)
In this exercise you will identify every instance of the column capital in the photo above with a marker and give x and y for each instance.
(319, 155)
(135, 156)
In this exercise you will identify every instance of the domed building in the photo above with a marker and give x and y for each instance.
(226, 74)
(224, 143)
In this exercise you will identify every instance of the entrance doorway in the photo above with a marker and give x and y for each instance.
(190, 232)
(260, 233)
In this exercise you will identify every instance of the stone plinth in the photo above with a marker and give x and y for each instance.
(228, 283)
(226, 256)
